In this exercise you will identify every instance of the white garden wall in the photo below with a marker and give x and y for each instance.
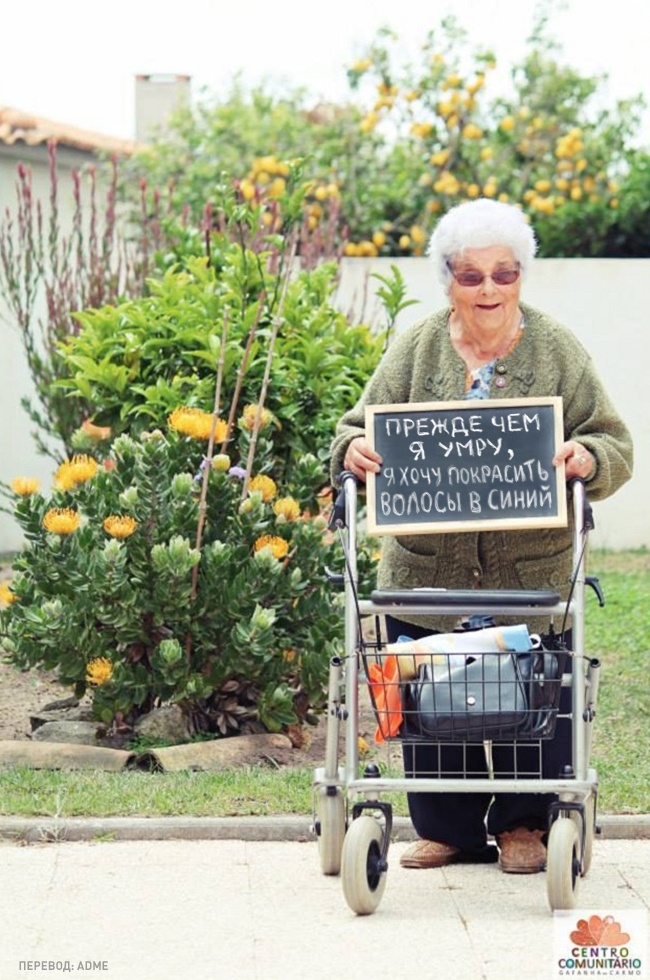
(604, 301)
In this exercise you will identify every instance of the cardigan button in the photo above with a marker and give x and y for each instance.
(501, 369)
(500, 382)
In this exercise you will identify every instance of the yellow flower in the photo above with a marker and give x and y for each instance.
(369, 122)
(72, 472)
(99, 671)
(440, 158)
(277, 187)
(24, 486)
(446, 184)
(417, 235)
(472, 132)
(476, 85)
(250, 414)
(6, 595)
(247, 189)
(264, 485)
(422, 130)
(196, 423)
(452, 81)
(279, 547)
(221, 463)
(120, 526)
(288, 508)
(362, 65)
(367, 248)
(379, 239)
(61, 520)
(507, 124)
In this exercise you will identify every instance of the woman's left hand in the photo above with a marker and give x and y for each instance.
(578, 460)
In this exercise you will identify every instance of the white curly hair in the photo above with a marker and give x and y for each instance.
(479, 224)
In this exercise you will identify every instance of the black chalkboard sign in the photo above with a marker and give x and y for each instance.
(466, 466)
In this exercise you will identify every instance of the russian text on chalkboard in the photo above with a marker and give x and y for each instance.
(466, 466)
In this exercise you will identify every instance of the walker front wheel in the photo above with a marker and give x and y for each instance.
(563, 863)
(363, 868)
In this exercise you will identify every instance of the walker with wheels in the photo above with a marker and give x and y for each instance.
(353, 818)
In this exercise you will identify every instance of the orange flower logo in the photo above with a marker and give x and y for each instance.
(597, 931)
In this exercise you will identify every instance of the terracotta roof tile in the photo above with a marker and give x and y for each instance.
(20, 127)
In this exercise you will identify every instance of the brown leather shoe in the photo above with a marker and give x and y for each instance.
(521, 851)
(429, 854)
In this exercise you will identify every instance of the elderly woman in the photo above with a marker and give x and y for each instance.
(486, 344)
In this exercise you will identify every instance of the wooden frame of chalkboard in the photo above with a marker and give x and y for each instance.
(474, 465)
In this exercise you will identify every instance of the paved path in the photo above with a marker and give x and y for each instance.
(227, 909)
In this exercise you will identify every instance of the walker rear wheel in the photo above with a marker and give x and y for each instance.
(330, 818)
(563, 863)
(363, 869)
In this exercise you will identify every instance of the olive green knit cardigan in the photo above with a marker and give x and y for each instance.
(421, 365)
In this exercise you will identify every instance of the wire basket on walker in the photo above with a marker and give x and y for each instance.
(492, 686)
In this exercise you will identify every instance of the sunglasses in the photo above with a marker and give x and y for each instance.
(473, 278)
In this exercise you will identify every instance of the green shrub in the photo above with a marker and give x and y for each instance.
(135, 362)
(118, 591)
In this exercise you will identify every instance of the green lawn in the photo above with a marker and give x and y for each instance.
(619, 634)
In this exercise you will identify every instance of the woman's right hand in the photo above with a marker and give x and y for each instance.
(361, 458)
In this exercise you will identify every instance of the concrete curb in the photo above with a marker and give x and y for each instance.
(274, 828)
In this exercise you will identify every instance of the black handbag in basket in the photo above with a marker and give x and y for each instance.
(486, 696)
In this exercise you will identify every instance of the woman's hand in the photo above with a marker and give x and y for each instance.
(578, 460)
(361, 459)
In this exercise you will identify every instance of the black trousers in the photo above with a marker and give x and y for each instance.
(460, 818)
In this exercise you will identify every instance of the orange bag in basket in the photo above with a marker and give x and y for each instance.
(384, 682)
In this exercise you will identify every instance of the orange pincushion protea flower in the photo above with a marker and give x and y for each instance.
(279, 547)
(264, 485)
(288, 508)
(72, 472)
(6, 595)
(196, 423)
(250, 414)
(120, 526)
(99, 671)
(61, 520)
(25, 486)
